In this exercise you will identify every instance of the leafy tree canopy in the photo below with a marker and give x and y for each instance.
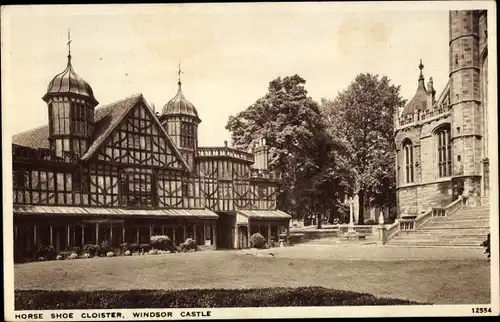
(361, 118)
(295, 131)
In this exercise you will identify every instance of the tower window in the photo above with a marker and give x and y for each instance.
(408, 161)
(444, 152)
(187, 135)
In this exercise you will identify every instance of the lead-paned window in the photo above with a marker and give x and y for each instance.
(444, 152)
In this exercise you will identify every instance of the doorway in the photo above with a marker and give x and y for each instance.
(225, 230)
(242, 237)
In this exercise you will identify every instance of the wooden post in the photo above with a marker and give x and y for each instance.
(34, 235)
(97, 233)
(150, 230)
(68, 237)
(83, 235)
(111, 233)
(74, 235)
(184, 226)
(194, 234)
(137, 236)
(50, 235)
(214, 233)
(123, 232)
(248, 233)
(268, 233)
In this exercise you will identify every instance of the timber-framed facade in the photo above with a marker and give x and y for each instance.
(121, 173)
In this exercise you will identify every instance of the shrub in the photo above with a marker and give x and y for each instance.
(47, 252)
(153, 252)
(73, 256)
(200, 298)
(65, 254)
(161, 242)
(110, 254)
(92, 250)
(144, 248)
(59, 257)
(134, 248)
(105, 248)
(188, 246)
(124, 247)
(76, 250)
(127, 253)
(257, 241)
(486, 245)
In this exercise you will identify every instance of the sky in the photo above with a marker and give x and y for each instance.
(228, 52)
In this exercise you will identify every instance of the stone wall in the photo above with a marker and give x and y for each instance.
(419, 198)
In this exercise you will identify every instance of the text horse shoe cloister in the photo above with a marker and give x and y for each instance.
(121, 173)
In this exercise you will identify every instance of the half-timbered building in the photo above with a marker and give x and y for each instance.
(121, 173)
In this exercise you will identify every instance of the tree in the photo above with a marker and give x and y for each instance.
(295, 131)
(361, 118)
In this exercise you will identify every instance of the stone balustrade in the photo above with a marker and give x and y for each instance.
(423, 115)
(225, 152)
(409, 223)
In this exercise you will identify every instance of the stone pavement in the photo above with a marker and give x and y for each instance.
(371, 253)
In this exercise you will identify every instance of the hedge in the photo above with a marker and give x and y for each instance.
(204, 298)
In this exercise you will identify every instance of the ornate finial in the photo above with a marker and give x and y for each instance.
(421, 66)
(69, 45)
(179, 72)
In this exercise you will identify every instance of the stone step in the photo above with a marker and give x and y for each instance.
(463, 242)
(410, 244)
(469, 214)
(480, 237)
(447, 232)
(471, 217)
(455, 224)
(464, 231)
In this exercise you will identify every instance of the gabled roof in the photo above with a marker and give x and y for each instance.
(109, 117)
(106, 119)
(37, 138)
(117, 113)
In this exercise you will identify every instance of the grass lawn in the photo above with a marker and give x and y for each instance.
(435, 281)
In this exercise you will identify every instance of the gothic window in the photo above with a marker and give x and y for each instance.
(444, 151)
(137, 189)
(408, 161)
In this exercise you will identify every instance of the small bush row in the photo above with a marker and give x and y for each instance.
(157, 245)
(202, 298)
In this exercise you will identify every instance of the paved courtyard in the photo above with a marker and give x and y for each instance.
(430, 275)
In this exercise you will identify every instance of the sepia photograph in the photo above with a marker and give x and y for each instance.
(249, 160)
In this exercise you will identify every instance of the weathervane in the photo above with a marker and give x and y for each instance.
(421, 66)
(69, 44)
(179, 72)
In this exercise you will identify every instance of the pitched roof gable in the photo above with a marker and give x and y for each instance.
(109, 117)
(37, 138)
(106, 118)
(112, 119)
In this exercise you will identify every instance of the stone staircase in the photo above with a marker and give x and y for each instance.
(467, 227)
